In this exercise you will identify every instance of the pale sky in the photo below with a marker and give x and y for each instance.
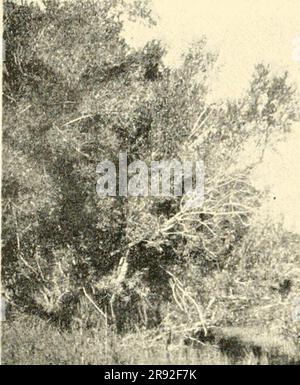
(243, 32)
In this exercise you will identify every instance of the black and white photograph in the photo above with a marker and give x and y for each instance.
(150, 184)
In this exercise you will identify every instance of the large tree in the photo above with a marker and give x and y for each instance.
(76, 94)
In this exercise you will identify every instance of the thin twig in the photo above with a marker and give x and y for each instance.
(94, 304)
(77, 120)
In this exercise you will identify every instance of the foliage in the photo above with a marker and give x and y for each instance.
(76, 94)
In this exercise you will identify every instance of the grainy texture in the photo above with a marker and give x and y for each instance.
(147, 279)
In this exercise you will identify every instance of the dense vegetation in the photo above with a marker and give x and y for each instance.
(74, 94)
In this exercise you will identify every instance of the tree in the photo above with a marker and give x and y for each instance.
(76, 94)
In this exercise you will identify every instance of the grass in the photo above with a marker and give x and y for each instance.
(30, 340)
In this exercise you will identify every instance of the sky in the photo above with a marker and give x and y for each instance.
(243, 32)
